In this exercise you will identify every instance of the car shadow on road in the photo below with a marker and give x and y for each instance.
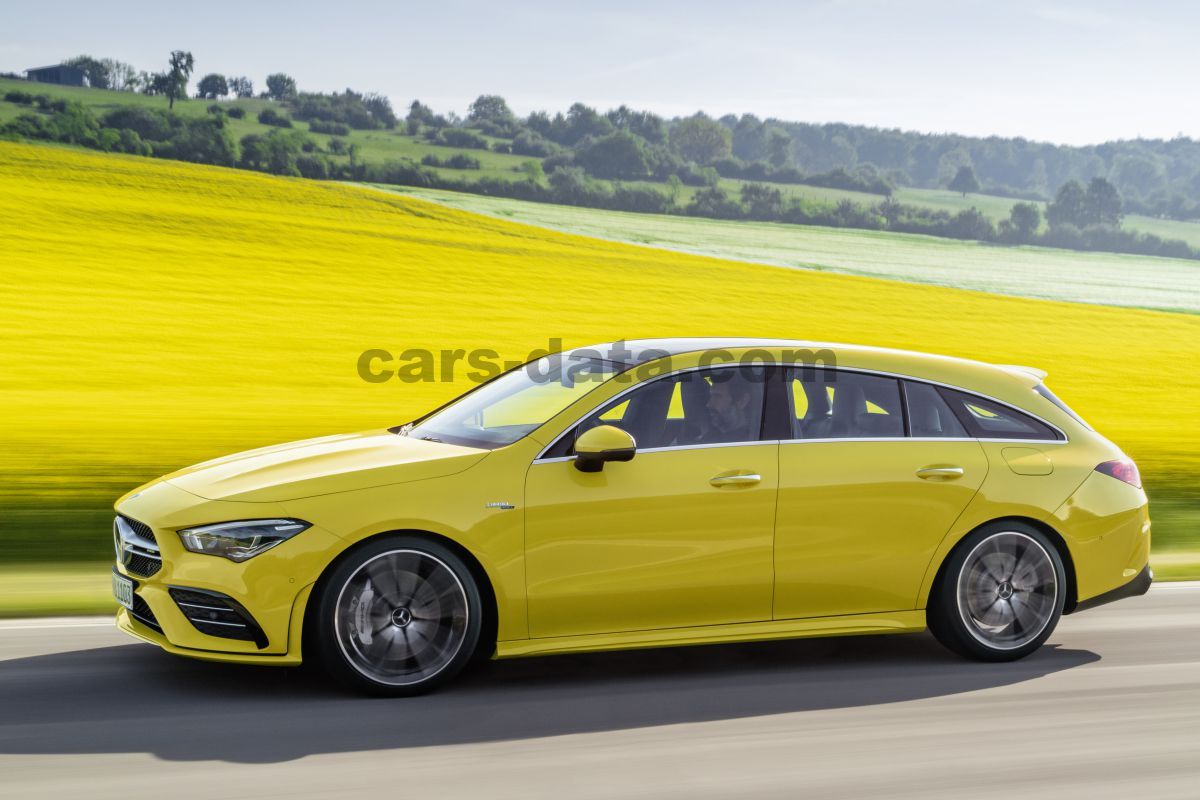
(127, 699)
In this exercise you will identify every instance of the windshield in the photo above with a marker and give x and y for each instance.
(508, 408)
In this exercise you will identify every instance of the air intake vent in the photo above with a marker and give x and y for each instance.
(215, 614)
(142, 613)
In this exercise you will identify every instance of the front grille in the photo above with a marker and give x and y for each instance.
(140, 528)
(215, 614)
(142, 613)
(140, 555)
(141, 565)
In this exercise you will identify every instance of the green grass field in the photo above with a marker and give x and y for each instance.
(1105, 278)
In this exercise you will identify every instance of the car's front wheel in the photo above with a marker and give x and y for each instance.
(1000, 594)
(399, 616)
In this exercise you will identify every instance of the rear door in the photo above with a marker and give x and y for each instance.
(866, 492)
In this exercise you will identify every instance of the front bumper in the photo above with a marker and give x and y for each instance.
(196, 602)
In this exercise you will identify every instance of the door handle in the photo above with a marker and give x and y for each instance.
(940, 472)
(735, 479)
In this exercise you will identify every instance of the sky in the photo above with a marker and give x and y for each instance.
(1078, 72)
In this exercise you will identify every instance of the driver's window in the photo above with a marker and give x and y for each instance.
(714, 406)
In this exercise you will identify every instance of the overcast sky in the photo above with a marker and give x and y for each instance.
(1078, 72)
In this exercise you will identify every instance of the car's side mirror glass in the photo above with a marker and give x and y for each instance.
(600, 444)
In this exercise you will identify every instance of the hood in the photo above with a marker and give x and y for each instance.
(323, 466)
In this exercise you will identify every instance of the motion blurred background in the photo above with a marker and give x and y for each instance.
(203, 229)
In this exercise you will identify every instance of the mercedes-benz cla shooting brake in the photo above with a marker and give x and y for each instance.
(680, 492)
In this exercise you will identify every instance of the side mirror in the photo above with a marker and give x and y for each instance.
(600, 444)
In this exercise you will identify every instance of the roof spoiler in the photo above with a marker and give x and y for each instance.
(1025, 372)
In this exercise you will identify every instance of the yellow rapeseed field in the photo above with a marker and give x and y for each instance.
(157, 313)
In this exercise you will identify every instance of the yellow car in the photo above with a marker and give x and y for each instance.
(646, 494)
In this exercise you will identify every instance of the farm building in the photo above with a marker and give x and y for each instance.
(59, 73)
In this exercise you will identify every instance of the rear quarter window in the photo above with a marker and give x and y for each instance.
(986, 419)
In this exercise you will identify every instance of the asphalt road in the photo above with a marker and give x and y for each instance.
(1110, 708)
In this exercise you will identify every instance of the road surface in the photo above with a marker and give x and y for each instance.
(1110, 708)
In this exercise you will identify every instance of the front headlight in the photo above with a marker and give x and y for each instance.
(239, 541)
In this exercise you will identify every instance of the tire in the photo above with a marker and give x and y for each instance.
(1000, 594)
(399, 616)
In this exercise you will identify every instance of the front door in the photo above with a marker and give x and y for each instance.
(680, 536)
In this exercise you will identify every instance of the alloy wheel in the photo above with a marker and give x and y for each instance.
(401, 617)
(1007, 590)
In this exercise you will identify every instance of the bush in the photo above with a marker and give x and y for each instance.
(643, 199)
(460, 137)
(331, 128)
(203, 141)
(403, 173)
(277, 152)
(269, 116)
(531, 143)
(237, 112)
(313, 166)
(24, 98)
(215, 108)
(150, 124)
(713, 202)
(456, 161)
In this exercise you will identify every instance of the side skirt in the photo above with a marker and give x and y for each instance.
(849, 625)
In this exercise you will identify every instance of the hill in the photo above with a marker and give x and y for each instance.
(509, 157)
(162, 313)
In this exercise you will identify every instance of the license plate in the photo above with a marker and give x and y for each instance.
(123, 590)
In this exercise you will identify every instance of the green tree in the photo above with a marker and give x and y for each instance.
(176, 78)
(674, 188)
(380, 109)
(1102, 204)
(489, 108)
(532, 170)
(1025, 219)
(583, 121)
(700, 139)
(212, 86)
(241, 86)
(714, 202)
(619, 156)
(970, 223)
(779, 148)
(762, 201)
(97, 72)
(281, 86)
(640, 123)
(1068, 206)
(964, 181)
(121, 76)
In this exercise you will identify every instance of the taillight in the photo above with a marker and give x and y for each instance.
(1123, 469)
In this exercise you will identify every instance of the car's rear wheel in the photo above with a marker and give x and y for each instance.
(1000, 595)
(399, 616)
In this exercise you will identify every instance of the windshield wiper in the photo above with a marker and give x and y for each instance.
(430, 438)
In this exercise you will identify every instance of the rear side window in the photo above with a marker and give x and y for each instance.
(985, 419)
(929, 415)
(830, 404)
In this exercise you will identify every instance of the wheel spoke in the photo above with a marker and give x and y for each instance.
(1007, 590)
(410, 608)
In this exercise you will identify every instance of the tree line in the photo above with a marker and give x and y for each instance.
(581, 157)
(1154, 177)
